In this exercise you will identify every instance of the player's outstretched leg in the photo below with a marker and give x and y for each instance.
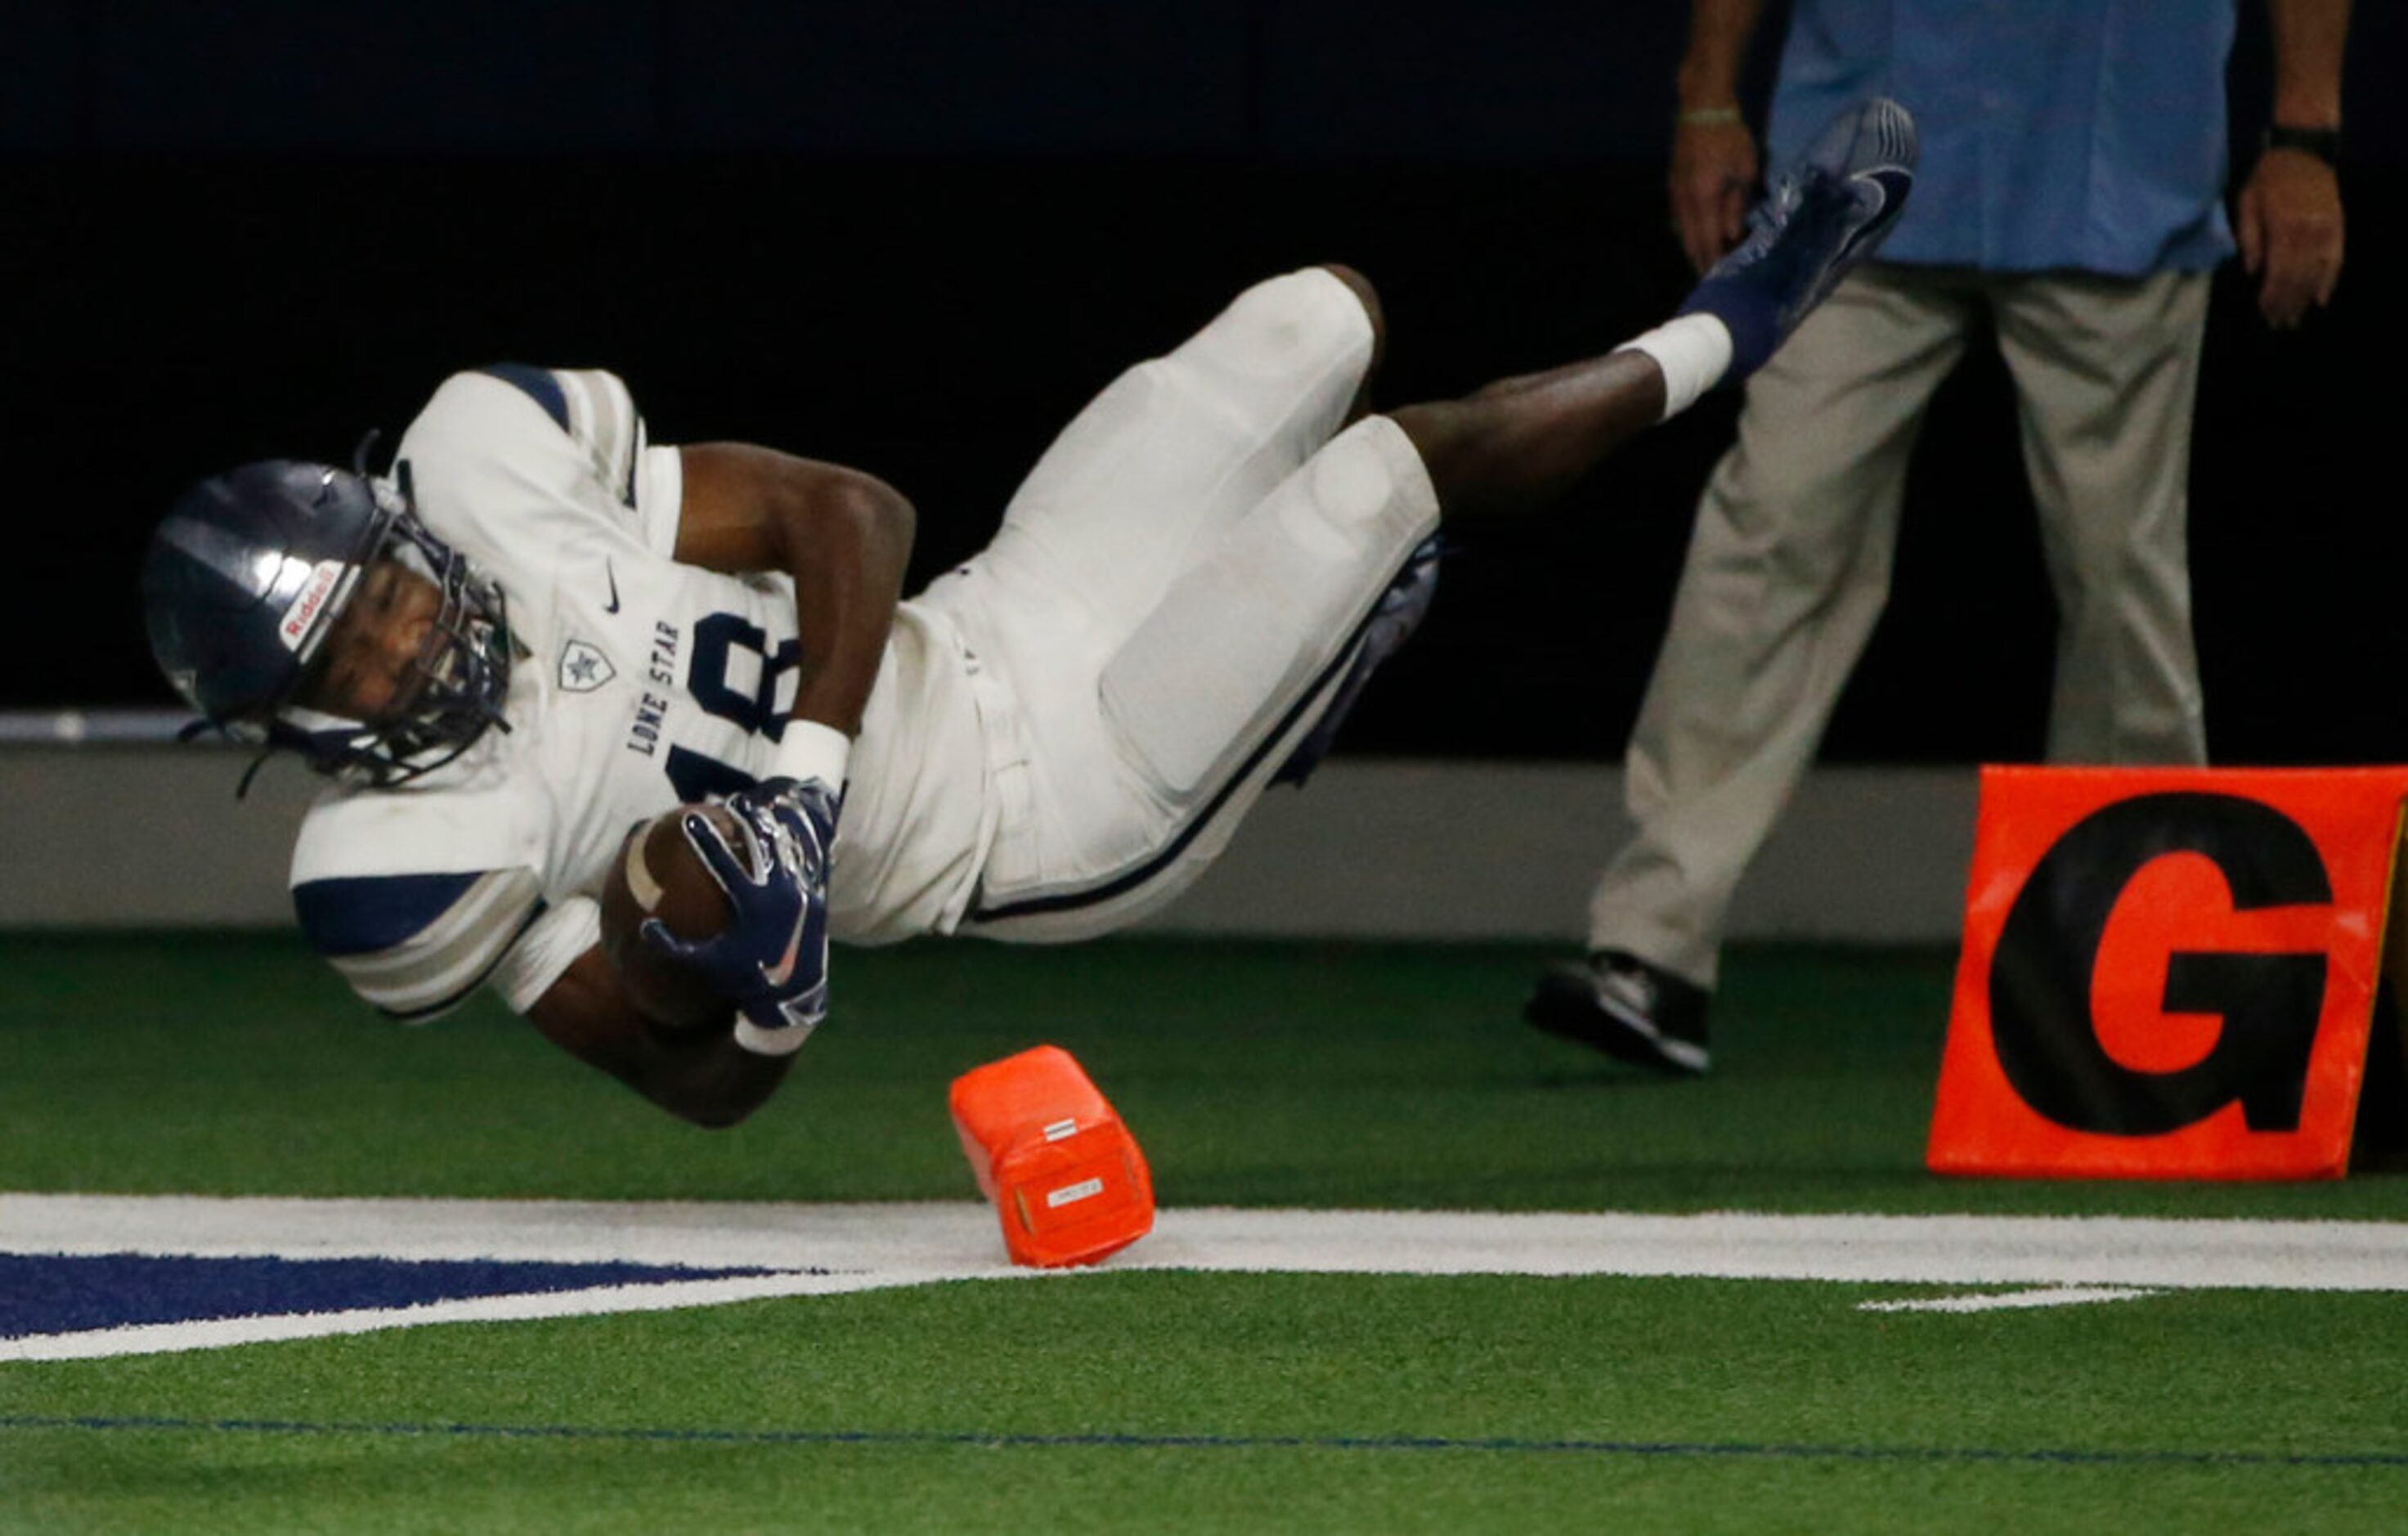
(1288, 605)
(1520, 442)
(1823, 215)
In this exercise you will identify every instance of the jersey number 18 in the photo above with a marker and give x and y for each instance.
(696, 776)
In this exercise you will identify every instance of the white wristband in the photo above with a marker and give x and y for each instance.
(771, 1042)
(810, 750)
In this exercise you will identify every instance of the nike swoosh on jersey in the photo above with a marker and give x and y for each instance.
(612, 606)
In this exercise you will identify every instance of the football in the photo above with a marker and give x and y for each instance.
(659, 875)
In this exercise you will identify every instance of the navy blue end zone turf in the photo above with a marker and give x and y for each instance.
(53, 1293)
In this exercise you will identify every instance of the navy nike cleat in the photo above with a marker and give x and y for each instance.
(1827, 212)
(1632, 1010)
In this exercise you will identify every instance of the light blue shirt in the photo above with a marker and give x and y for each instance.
(2087, 135)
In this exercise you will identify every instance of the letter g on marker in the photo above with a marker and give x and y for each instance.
(2041, 977)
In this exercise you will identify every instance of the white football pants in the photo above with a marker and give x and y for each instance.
(1174, 593)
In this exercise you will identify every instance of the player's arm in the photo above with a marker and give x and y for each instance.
(417, 945)
(844, 536)
(701, 1075)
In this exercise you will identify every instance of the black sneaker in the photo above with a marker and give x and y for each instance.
(1631, 1010)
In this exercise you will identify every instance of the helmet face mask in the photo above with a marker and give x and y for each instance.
(250, 573)
(464, 665)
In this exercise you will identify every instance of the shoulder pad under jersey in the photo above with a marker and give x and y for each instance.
(416, 944)
(515, 461)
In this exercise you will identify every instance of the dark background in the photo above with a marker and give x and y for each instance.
(916, 237)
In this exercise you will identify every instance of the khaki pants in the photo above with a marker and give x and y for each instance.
(1790, 564)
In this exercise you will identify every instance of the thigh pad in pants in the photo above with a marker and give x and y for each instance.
(1244, 634)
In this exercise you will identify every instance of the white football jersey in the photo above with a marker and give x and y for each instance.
(643, 683)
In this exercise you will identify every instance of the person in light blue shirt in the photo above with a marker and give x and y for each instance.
(2071, 195)
(2081, 135)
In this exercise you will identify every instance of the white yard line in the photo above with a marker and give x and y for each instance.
(2047, 1296)
(919, 1240)
(870, 1248)
(1738, 1245)
(879, 1245)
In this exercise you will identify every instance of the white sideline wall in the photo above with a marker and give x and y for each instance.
(127, 835)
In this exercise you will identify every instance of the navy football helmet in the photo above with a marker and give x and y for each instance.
(249, 573)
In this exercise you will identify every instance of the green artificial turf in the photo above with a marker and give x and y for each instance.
(1292, 1075)
(1252, 1074)
(1167, 1402)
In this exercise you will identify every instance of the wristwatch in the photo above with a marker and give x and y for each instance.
(2324, 143)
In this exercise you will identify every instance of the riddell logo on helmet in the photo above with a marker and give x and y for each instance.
(305, 607)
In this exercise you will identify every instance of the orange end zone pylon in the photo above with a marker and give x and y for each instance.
(1064, 1173)
(2168, 972)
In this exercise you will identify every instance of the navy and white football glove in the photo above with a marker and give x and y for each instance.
(773, 960)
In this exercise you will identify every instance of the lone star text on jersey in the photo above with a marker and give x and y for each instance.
(644, 731)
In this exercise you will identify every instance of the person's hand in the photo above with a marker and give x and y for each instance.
(2290, 232)
(1714, 172)
(771, 961)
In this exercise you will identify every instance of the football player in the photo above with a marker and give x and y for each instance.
(540, 630)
